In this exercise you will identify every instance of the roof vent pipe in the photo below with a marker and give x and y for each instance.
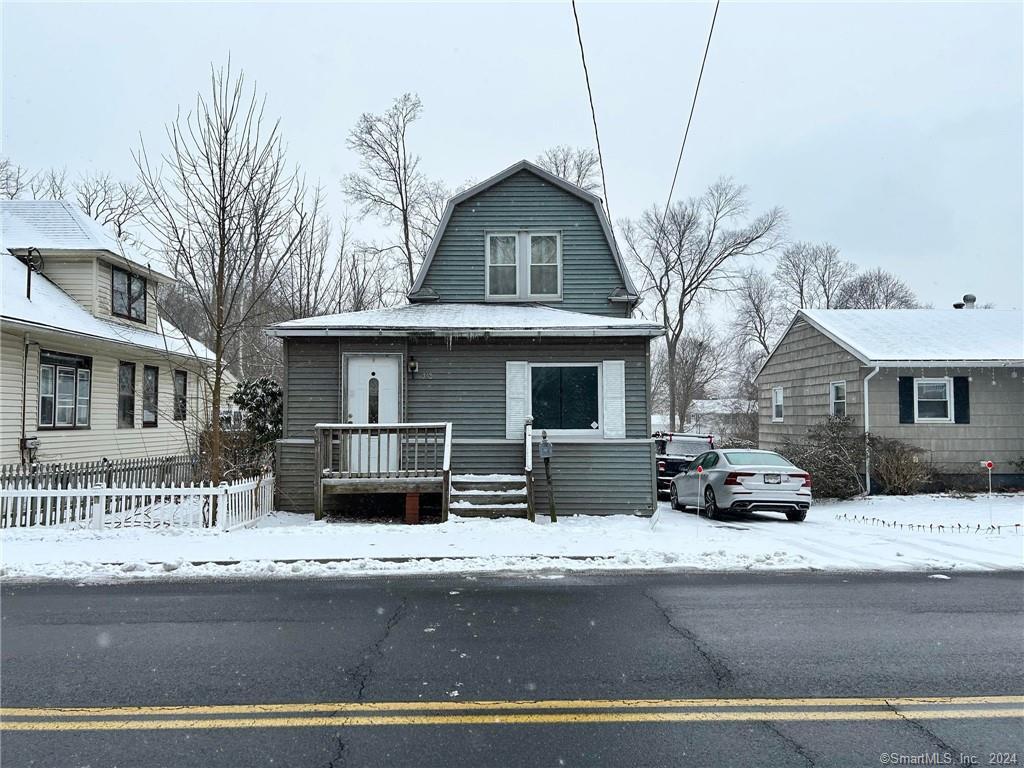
(969, 300)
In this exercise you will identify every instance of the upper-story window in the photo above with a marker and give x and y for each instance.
(127, 295)
(523, 266)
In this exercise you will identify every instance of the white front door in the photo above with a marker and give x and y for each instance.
(373, 398)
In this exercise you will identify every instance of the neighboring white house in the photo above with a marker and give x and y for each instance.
(89, 368)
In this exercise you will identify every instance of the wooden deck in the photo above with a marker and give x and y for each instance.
(383, 458)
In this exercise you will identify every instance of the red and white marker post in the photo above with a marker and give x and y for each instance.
(700, 498)
(988, 464)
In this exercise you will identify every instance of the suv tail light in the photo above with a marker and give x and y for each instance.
(733, 478)
(661, 466)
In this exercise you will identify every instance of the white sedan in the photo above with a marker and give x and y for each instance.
(742, 480)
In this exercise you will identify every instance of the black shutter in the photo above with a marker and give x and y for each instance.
(906, 399)
(961, 400)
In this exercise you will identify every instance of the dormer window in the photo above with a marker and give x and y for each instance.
(127, 295)
(524, 266)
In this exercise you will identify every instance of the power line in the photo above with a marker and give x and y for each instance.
(693, 106)
(593, 113)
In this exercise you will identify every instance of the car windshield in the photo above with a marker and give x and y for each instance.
(685, 447)
(744, 458)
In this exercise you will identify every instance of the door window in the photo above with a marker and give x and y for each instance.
(373, 399)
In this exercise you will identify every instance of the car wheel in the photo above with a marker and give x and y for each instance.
(797, 517)
(673, 496)
(710, 504)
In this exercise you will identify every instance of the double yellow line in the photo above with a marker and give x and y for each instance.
(499, 712)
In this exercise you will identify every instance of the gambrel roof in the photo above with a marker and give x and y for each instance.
(526, 165)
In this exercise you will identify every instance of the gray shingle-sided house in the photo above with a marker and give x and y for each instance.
(950, 381)
(521, 311)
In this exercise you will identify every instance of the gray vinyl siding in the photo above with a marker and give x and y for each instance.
(805, 362)
(465, 383)
(996, 430)
(525, 201)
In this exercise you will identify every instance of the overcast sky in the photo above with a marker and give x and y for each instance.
(892, 130)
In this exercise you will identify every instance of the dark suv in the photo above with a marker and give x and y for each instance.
(674, 451)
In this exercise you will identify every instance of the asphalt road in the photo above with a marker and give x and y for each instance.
(627, 670)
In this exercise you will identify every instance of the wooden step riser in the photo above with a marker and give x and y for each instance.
(494, 485)
(482, 511)
(488, 499)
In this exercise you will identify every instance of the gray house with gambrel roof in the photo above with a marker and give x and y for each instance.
(950, 381)
(519, 323)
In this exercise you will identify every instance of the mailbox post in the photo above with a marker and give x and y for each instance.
(546, 450)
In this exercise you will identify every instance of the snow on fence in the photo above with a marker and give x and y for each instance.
(227, 506)
(152, 471)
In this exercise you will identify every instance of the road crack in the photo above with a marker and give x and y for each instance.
(723, 676)
(920, 727)
(360, 676)
(338, 761)
(792, 743)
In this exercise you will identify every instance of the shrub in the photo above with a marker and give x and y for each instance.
(901, 468)
(833, 452)
(261, 402)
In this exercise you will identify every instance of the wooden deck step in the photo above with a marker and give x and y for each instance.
(485, 498)
(489, 510)
(488, 483)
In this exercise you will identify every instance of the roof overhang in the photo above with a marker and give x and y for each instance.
(468, 333)
(30, 325)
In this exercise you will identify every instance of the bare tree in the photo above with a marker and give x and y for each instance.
(794, 272)
(685, 255)
(875, 289)
(14, 179)
(830, 273)
(758, 317)
(389, 184)
(703, 360)
(367, 280)
(223, 209)
(308, 284)
(51, 184)
(114, 204)
(577, 165)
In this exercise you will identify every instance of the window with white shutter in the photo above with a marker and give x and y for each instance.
(614, 399)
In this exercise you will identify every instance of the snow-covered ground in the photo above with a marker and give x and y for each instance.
(836, 536)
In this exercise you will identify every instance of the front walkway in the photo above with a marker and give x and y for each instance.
(847, 536)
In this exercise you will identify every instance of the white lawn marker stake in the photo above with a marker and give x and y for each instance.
(700, 475)
(989, 465)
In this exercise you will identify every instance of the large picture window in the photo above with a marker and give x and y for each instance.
(125, 395)
(932, 400)
(150, 394)
(565, 397)
(127, 295)
(65, 390)
(180, 395)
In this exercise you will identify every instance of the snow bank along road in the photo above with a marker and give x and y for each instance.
(975, 534)
(619, 670)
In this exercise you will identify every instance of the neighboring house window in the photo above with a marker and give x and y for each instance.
(65, 390)
(777, 404)
(538, 275)
(932, 400)
(502, 265)
(566, 397)
(545, 265)
(180, 395)
(128, 295)
(150, 391)
(126, 395)
(837, 399)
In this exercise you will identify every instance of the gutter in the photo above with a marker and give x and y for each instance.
(29, 325)
(469, 333)
(867, 429)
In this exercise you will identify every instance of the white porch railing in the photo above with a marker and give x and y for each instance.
(228, 506)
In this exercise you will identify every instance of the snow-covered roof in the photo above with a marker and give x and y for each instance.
(888, 336)
(466, 320)
(536, 170)
(59, 225)
(52, 309)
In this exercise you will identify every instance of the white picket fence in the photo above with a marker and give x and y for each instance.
(231, 505)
